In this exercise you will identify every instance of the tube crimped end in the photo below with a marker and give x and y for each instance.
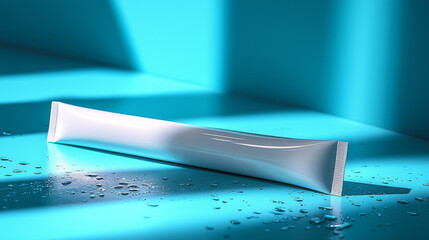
(340, 165)
(53, 122)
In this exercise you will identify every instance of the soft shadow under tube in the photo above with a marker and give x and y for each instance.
(312, 164)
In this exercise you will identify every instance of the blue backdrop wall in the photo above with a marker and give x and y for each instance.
(177, 39)
(365, 60)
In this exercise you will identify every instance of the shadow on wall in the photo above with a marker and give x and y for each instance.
(411, 103)
(362, 60)
(80, 29)
(278, 50)
(177, 39)
(17, 61)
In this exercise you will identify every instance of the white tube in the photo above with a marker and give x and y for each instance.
(312, 164)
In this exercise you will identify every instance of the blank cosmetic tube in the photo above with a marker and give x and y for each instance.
(312, 164)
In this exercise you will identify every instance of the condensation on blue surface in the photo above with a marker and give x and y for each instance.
(381, 165)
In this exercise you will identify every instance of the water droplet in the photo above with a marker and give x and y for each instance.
(153, 204)
(18, 171)
(6, 133)
(338, 226)
(165, 178)
(7, 175)
(378, 214)
(316, 220)
(99, 185)
(118, 186)
(23, 163)
(279, 209)
(283, 228)
(257, 212)
(37, 173)
(209, 228)
(413, 213)
(419, 199)
(123, 183)
(325, 208)
(101, 195)
(133, 190)
(38, 167)
(304, 211)
(91, 174)
(99, 178)
(92, 196)
(66, 183)
(307, 228)
(124, 193)
(330, 217)
(213, 185)
(216, 207)
(356, 204)
(235, 222)
(403, 202)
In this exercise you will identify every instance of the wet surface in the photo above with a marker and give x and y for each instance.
(55, 190)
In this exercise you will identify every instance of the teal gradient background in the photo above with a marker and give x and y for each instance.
(362, 60)
(349, 70)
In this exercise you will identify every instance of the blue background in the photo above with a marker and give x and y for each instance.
(346, 70)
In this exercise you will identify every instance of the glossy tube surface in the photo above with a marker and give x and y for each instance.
(312, 164)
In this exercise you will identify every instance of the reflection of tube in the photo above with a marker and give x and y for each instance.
(313, 164)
